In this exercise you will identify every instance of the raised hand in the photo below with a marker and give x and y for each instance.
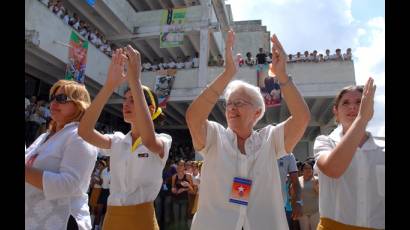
(230, 63)
(134, 63)
(116, 75)
(279, 58)
(366, 109)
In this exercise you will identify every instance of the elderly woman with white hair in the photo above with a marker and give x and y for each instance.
(240, 184)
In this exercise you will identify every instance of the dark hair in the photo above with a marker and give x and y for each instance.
(307, 162)
(160, 119)
(345, 90)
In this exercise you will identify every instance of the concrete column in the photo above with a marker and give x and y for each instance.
(204, 44)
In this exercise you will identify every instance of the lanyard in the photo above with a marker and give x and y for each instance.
(136, 144)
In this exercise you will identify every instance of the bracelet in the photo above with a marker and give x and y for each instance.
(286, 83)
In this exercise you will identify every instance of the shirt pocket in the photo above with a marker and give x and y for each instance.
(380, 176)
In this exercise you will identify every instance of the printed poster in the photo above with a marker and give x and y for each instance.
(77, 59)
(172, 34)
(163, 85)
(269, 86)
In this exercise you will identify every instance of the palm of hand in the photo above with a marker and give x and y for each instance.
(366, 109)
(116, 74)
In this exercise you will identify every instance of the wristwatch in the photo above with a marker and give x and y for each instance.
(299, 202)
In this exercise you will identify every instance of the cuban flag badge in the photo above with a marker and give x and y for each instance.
(241, 189)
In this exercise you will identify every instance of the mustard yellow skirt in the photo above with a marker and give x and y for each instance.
(141, 216)
(329, 224)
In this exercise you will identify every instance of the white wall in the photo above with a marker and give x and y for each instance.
(52, 29)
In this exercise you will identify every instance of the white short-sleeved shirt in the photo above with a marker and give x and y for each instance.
(357, 197)
(195, 62)
(105, 177)
(136, 177)
(222, 162)
(67, 162)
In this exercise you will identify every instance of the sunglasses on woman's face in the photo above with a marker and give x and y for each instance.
(60, 98)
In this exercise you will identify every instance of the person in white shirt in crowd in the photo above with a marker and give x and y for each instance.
(35, 122)
(348, 54)
(108, 50)
(310, 193)
(137, 158)
(180, 63)
(239, 163)
(56, 7)
(105, 192)
(92, 37)
(98, 42)
(249, 61)
(351, 165)
(269, 58)
(320, 58)
(104, 45)
(61, 12)
(327, 57)
(76, 25)
(73, 20)
(146, 66)
(337, 56)
(66, 18)
(27, 103)
(51, 5)
(287, 166)
(154, 65)
(305, 58)
(314, 56)
(58, 165)
(95, 192)
(298, 57)
(84, 31)
(290, 58)
(171, 64)
(195, 60)
(188, 62)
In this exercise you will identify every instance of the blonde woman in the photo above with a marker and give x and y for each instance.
(58, 165)
(136, 158)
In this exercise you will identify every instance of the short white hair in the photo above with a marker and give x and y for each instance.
(252, 91)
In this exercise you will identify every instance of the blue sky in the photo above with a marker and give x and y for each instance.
(321, 24)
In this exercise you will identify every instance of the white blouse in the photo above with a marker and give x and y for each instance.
(222, 162)
(67, 162)
(136, 177)
(357, 197)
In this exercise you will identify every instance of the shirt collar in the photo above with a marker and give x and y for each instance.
(128, 138)
(370, 144)
(232, 137)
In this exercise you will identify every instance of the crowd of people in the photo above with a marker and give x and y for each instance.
(235, 187)
(266, 58)
(81, 26)
(181, 63)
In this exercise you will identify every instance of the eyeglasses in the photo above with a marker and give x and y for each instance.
(60, 98)
(236, 103)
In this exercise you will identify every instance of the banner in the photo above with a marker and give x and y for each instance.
(77, 59)
(172, 34)
(269, 86)
(163, 85)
